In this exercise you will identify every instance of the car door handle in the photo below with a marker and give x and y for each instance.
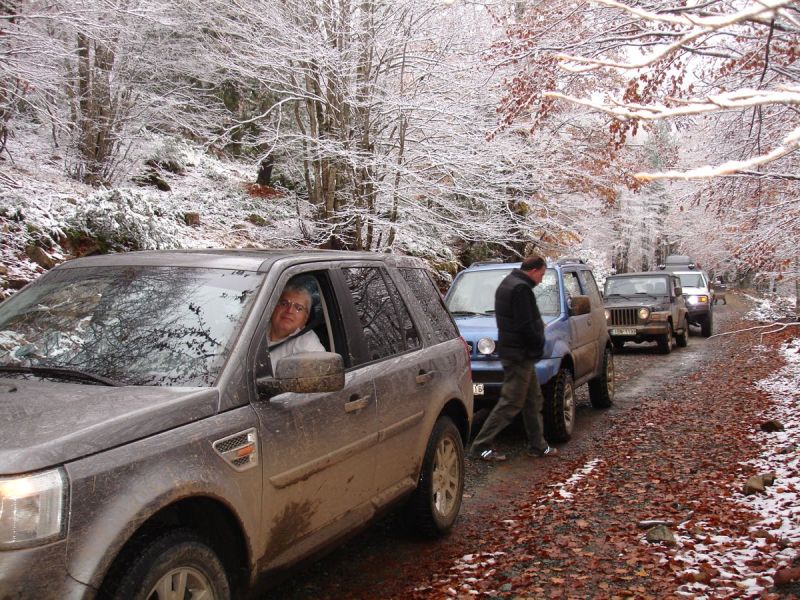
(356, 404)
(424, 377)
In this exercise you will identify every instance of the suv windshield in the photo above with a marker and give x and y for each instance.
(628, 286)
(691, 280)
(473, 293)
(131, 325)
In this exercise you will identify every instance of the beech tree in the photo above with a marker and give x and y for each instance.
(75, 67)
(724, 75)
(381, 110)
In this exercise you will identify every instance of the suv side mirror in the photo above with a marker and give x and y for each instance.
(305, 372)
(579, 305)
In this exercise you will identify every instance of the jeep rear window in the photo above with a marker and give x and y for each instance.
(164, 326)
(473, 293)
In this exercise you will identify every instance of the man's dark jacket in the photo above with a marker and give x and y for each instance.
(520, 327)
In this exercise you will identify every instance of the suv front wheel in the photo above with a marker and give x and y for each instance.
(434, 506)
(707, 325)
(176, 564)
(559, 407)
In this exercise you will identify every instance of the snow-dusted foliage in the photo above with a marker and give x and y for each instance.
(123, 219)
(722, 75)
(404, 126)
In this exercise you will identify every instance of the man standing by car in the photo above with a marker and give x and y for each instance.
(520, 344)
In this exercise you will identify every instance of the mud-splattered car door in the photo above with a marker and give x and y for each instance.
(317, 448)
(584, 333)
(404, 375)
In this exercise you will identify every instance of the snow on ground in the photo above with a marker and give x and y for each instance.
(771, 307)
(779, 508)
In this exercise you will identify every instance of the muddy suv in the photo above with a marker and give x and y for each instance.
(696, 290)
(576, 352)
(150, 446)
(646, 307)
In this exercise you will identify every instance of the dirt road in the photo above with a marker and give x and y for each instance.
(669, 447)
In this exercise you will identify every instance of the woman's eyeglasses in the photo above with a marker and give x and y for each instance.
(289, 304)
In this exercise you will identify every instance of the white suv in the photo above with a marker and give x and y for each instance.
(696, 290)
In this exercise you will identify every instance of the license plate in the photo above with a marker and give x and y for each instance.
(623, 332)
(477, 389)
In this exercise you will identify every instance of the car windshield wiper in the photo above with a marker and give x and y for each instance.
(62, 372)
(470, 313)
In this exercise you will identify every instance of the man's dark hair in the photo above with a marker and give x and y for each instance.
(532, 263)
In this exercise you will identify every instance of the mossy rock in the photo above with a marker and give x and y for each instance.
(257, 220)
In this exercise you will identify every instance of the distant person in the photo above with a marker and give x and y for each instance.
(286, 336)
(520, 343)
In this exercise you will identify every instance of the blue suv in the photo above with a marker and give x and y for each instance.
(577, 348)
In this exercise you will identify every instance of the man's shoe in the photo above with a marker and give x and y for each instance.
(491, 456)
(546, 453)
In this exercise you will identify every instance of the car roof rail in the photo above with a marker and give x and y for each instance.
(491, 261)
(678, 259)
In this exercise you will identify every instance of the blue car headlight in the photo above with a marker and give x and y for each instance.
(486, 346)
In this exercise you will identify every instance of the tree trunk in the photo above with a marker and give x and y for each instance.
(797, 288)
(264, 176)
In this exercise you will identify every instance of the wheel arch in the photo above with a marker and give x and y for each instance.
(567, 362)
(457, 412)
(206, 516)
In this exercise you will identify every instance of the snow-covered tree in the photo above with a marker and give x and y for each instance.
(724, 75)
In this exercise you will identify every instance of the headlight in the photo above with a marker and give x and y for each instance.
(644, 313)
(698, 299)
(608, 315)
(485, 345)
(32, 509)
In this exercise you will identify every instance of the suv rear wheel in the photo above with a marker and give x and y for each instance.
(559, 407)
(601, 388)
(434, 506)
